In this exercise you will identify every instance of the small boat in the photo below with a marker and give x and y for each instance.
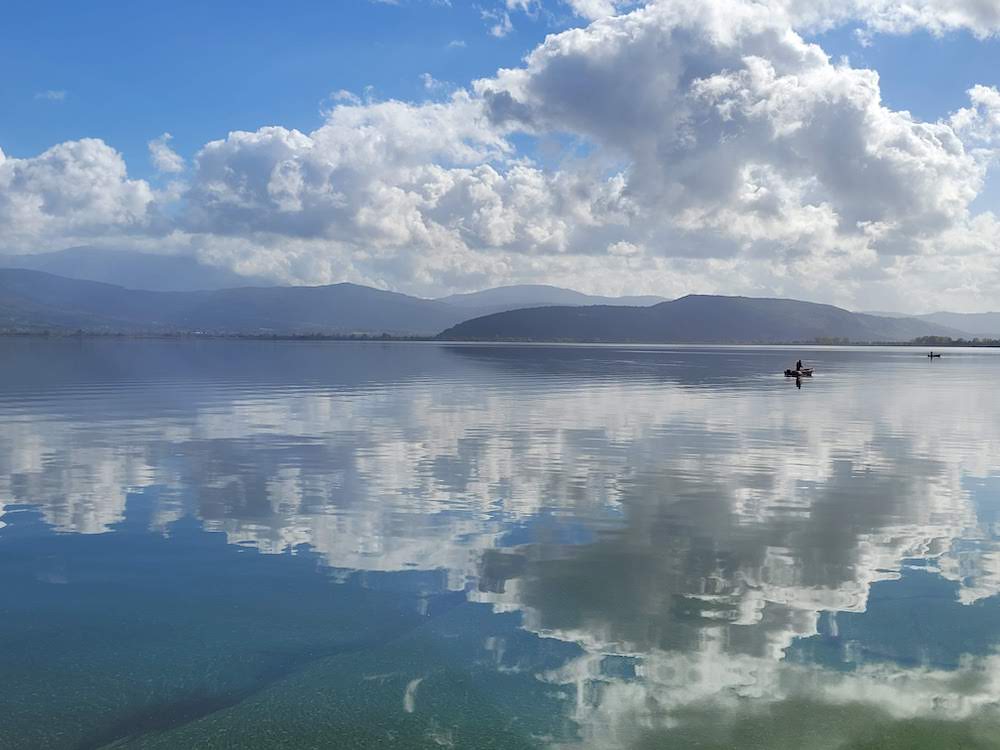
(805, 372)
(932, 355)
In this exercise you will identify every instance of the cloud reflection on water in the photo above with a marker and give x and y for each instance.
(685, 509)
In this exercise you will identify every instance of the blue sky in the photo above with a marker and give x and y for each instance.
(643, 150)
(925, 74)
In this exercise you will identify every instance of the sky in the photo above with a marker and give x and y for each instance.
(836, 151)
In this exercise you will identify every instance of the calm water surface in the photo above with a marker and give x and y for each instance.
(289, 545)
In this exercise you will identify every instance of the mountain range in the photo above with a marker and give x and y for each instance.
(186, 273)
(694, 319)
(34, 300)
(504, 298)
(37, 302)
(158, 273)
(974, 325)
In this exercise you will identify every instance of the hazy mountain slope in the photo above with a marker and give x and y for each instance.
(40, 300)
(691, 319)
(885, 314)
(132, 270)
(339, 307)
(984, 325)
(970, 325)
(34, 299)
(535, 295)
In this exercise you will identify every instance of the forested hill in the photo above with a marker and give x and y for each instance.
(694, 319)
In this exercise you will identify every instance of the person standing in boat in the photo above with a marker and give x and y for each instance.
(798, 366)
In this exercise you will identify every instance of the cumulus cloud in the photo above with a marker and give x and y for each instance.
(164, 158)
(367, 155)
(390, 192)
(981, 17)
(720, 152)
(979, 124)
(720, 95)
(75, 189)
(736, 127)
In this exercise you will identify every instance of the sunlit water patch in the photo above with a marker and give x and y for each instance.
(244, 544)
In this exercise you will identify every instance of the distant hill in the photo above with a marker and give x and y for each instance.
(163, 273)
(694, 319)
(504, 298)
(35, 300)
(969, 325)
(886, 314)
(982, 325)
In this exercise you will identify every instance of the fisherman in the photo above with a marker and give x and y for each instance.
(798, 366)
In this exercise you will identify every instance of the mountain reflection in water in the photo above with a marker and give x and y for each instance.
(247, 544)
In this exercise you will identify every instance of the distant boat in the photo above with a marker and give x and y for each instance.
(932, 355)
(805, 372)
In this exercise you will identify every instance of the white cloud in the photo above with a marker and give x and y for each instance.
(394, 194)
(51, 95)
(164, 158)
(979, 124)
(499, 22)
(315, 184)
(586, 9)
(75, 189)
(430, 83)
(593, 9)
(981, 17)
(738, 129)
(530, 7)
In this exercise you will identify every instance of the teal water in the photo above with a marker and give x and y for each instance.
(232, 544)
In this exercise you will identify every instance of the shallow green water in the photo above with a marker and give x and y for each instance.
(290, 545)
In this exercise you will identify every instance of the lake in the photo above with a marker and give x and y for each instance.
(239, 544)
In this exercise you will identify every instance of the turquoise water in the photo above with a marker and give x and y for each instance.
(230, 544)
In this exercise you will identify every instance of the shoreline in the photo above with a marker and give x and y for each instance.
(55, 335)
